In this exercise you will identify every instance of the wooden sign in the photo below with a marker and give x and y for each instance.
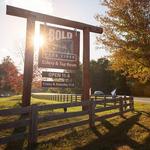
(58, 84)
(48, 56)
(57, 75)
(61, 48)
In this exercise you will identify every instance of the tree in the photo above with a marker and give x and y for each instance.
(127, 36)
(100, 76)
(105, 79)
(10, 78)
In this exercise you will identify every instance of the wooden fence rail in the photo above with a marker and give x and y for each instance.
(60, 97)
(72, 97)
(33, 118)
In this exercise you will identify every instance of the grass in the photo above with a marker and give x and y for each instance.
(131, 132)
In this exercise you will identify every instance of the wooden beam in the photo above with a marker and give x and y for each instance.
(86, 66)
(14, 11)
(28, 64)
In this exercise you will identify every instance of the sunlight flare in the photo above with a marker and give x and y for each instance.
(38, 41)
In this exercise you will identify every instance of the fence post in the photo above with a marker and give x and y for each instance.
(105, 101)
(125, 102)
(131, 103)
(76, 97)
(71, 98)
(33, 126)
(95, 97)
(121, 105)
(58, 98)
(63, 98)
(92, 113)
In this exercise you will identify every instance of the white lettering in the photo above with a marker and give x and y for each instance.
(58, 35)
(69, 35)
(63, 35)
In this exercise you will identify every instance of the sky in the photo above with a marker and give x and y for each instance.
(13, 29)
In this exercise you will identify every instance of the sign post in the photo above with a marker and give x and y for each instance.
(86, 63)
(28, 66)
(28, 62)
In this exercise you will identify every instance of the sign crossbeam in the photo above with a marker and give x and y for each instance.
(19, 12)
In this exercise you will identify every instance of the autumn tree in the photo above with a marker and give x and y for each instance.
(10, 78)
(127, 36)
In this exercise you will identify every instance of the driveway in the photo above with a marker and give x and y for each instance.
(142, 99)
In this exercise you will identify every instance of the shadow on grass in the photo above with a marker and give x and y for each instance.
(18, 144)
(109, 141)
(144, 112)
(116, 137)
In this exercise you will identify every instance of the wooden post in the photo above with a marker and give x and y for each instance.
(121, 105)
(71, 98)
(28, 62)
(95, 97)
(92, 113)
(125, 102)
(105, 101)
(33, 126)
(64, 98)
(131, 103)
(60, 98)
(76, 98)
(86, 64)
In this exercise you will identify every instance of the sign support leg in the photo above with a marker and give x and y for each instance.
(28, 62)
(86, 64)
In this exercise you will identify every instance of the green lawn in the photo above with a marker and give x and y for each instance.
(131, 132)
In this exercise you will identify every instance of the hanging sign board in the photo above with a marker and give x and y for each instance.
(60, 49)
(57, 75)
(58, 84)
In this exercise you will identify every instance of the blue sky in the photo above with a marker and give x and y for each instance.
(12, 29)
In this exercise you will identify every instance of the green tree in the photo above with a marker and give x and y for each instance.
(100, 76)
(127, 36)
(105, 79)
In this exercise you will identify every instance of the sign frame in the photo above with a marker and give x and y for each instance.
(31, 17)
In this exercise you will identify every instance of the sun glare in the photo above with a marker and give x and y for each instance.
(38, 41)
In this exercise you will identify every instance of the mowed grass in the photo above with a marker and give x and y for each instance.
(130, 132)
